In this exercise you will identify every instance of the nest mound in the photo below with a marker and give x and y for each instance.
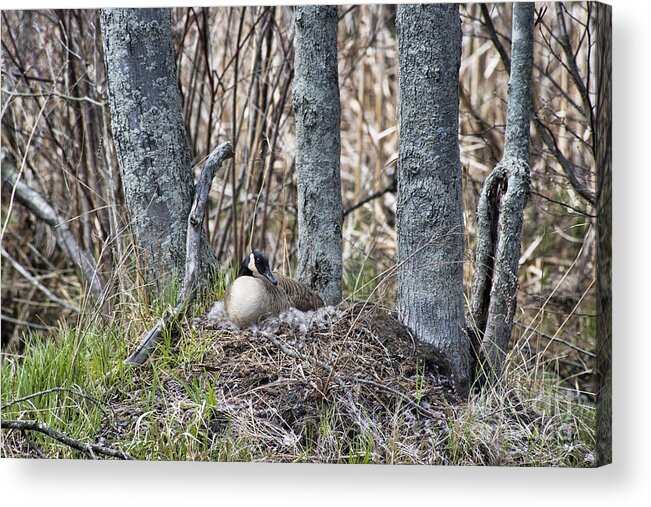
(315, 384)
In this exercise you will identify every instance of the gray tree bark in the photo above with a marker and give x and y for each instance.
(501, 209)
(149, 136)
(429, 217)
(603, 148)
(318, 148)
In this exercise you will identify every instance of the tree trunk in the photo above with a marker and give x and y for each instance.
(603, 148)
(149, 136)
(500, 210)
(429, 217)
(318, 147)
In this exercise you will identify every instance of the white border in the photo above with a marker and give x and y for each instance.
(624, 483)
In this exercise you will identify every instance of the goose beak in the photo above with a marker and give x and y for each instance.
(267, 274)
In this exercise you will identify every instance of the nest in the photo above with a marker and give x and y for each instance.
(322, 382)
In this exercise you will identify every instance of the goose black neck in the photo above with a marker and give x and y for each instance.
(244, 269)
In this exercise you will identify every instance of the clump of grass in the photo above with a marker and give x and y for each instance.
(525, 419)
(70, 367)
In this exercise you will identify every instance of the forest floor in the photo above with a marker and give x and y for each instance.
(340, 385)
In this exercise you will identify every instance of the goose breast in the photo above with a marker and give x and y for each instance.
(248, 299)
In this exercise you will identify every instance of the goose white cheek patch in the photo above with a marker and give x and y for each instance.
(252, 264)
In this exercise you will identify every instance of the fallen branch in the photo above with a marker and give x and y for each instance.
(25, 323)
(42, 209)
(361, 421)
(192, 255)
(404, 397)
(90, 449)
(54, 390)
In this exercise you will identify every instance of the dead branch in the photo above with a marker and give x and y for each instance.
(404, 397)
(568, 166)
(33, 201)
(53, 390)
(391, 187)
(492, 33)
(25, 323)
(572, 66)
(192, 255)
(361, 421)
(90, 449)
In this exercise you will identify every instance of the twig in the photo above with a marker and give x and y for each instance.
(391, 187)
(565, 342)
(572, 66)
(25, 323)
(492, 33)
(404, 397)
(347, 391)
(53, 93)
(540, 128)
(89, 449)
(568, 166)
(564, 204)
(48, 391)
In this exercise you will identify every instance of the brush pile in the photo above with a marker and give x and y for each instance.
(331, 384)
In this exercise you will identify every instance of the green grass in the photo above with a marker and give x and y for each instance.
(74, 359)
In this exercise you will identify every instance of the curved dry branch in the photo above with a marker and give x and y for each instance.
(193, 252)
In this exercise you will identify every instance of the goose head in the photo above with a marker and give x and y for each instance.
(256, 264)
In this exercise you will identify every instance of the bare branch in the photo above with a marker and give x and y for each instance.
(492, 33)
(391, 187)
(540, 128)
(568, 166)
(53, 93)
(52, 390)
(90, 449)
(32, 279)
(25, 323)
(572, 66)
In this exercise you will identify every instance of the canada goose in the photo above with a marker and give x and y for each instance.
(257, 292)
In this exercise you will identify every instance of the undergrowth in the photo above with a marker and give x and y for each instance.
(222, 395)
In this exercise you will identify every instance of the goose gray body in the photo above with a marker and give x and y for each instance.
(257, 293)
